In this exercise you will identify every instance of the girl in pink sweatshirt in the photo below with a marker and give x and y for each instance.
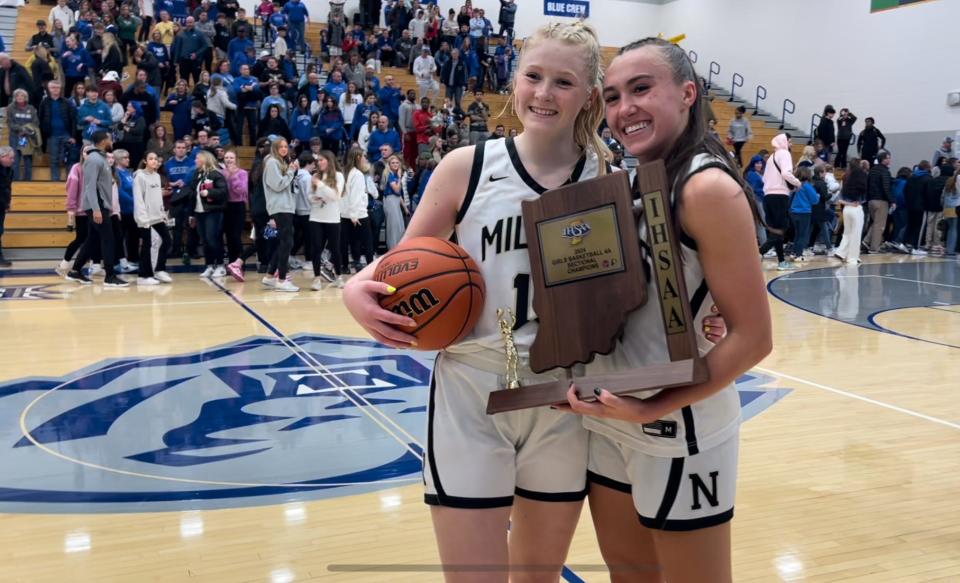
(76, 218)
(778, 181)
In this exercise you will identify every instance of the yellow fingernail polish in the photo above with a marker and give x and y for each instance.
(391, 289)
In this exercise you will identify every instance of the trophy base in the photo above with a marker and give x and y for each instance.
(657, 376)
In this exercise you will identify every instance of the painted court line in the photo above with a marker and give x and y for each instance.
(920, 281)
(320, 368)
(843, 393)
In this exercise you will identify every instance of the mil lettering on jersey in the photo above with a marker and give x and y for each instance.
(596, 255)
(665, 264)
(506, 235)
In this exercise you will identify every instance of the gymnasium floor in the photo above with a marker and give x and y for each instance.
(208, 432)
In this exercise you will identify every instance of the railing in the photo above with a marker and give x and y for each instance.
(736, 82)
(761, 95)
(814, 124)
(792, 109)
(714, 70)
(693, 56)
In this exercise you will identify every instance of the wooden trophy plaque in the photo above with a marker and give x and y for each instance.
(588, 275)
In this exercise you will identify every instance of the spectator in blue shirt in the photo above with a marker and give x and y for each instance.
(75, 62)
(180, 103)
(336, 85)
(93, 114)
(297, 16)
(801, 210)
(247, 90)
(390, 98)
(384, 134)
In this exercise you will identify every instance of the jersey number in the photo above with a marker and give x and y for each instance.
(521, 283)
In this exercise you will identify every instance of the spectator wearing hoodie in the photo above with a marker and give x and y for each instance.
(879, 201)
(801, 211)
(150, 217)
(754, 177)
(777, 181)
(852, 197)
(944, 151)
(871, 141)
(900, 215)
(914, 194)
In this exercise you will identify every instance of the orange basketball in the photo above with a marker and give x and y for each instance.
(438, 285)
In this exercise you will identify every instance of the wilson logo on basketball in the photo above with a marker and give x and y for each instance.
(416, 304)
(576, 231)
(396, 269)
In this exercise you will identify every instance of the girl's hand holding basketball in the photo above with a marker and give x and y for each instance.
(361, 296)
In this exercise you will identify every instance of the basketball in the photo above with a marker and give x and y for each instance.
(438, 285)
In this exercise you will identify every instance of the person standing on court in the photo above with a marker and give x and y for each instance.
(7, 157)
(852, 197)
(96, 198)
(880, 202)
(278, 177)
(739, 133)
(778, 181)
(826, 132)
(871, 141)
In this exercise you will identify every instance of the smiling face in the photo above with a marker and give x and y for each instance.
(552, 87)
(647, 109)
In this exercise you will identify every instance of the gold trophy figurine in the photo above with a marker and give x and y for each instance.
(507, 321)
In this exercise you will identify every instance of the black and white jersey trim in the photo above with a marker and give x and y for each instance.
(475, 170)
(525, 176)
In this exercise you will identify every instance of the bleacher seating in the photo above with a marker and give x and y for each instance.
(38, 217)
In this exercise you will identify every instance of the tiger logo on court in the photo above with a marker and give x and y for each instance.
(254, 422)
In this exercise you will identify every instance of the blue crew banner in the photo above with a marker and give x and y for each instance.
(569, 8)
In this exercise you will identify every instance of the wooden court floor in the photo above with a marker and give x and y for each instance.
(851, 474)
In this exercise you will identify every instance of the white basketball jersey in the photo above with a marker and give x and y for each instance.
(490, 228)
(694, 428)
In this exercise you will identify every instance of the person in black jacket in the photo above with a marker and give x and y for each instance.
(844, 135)
(274, 124)
(454, 76)
(880, 201)
(57, 117)
(914, 193)
(7, 157)
(870, 141)
(825, 131)
(208, 196)
(13, 76)
(148, 104)
(508, 15)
